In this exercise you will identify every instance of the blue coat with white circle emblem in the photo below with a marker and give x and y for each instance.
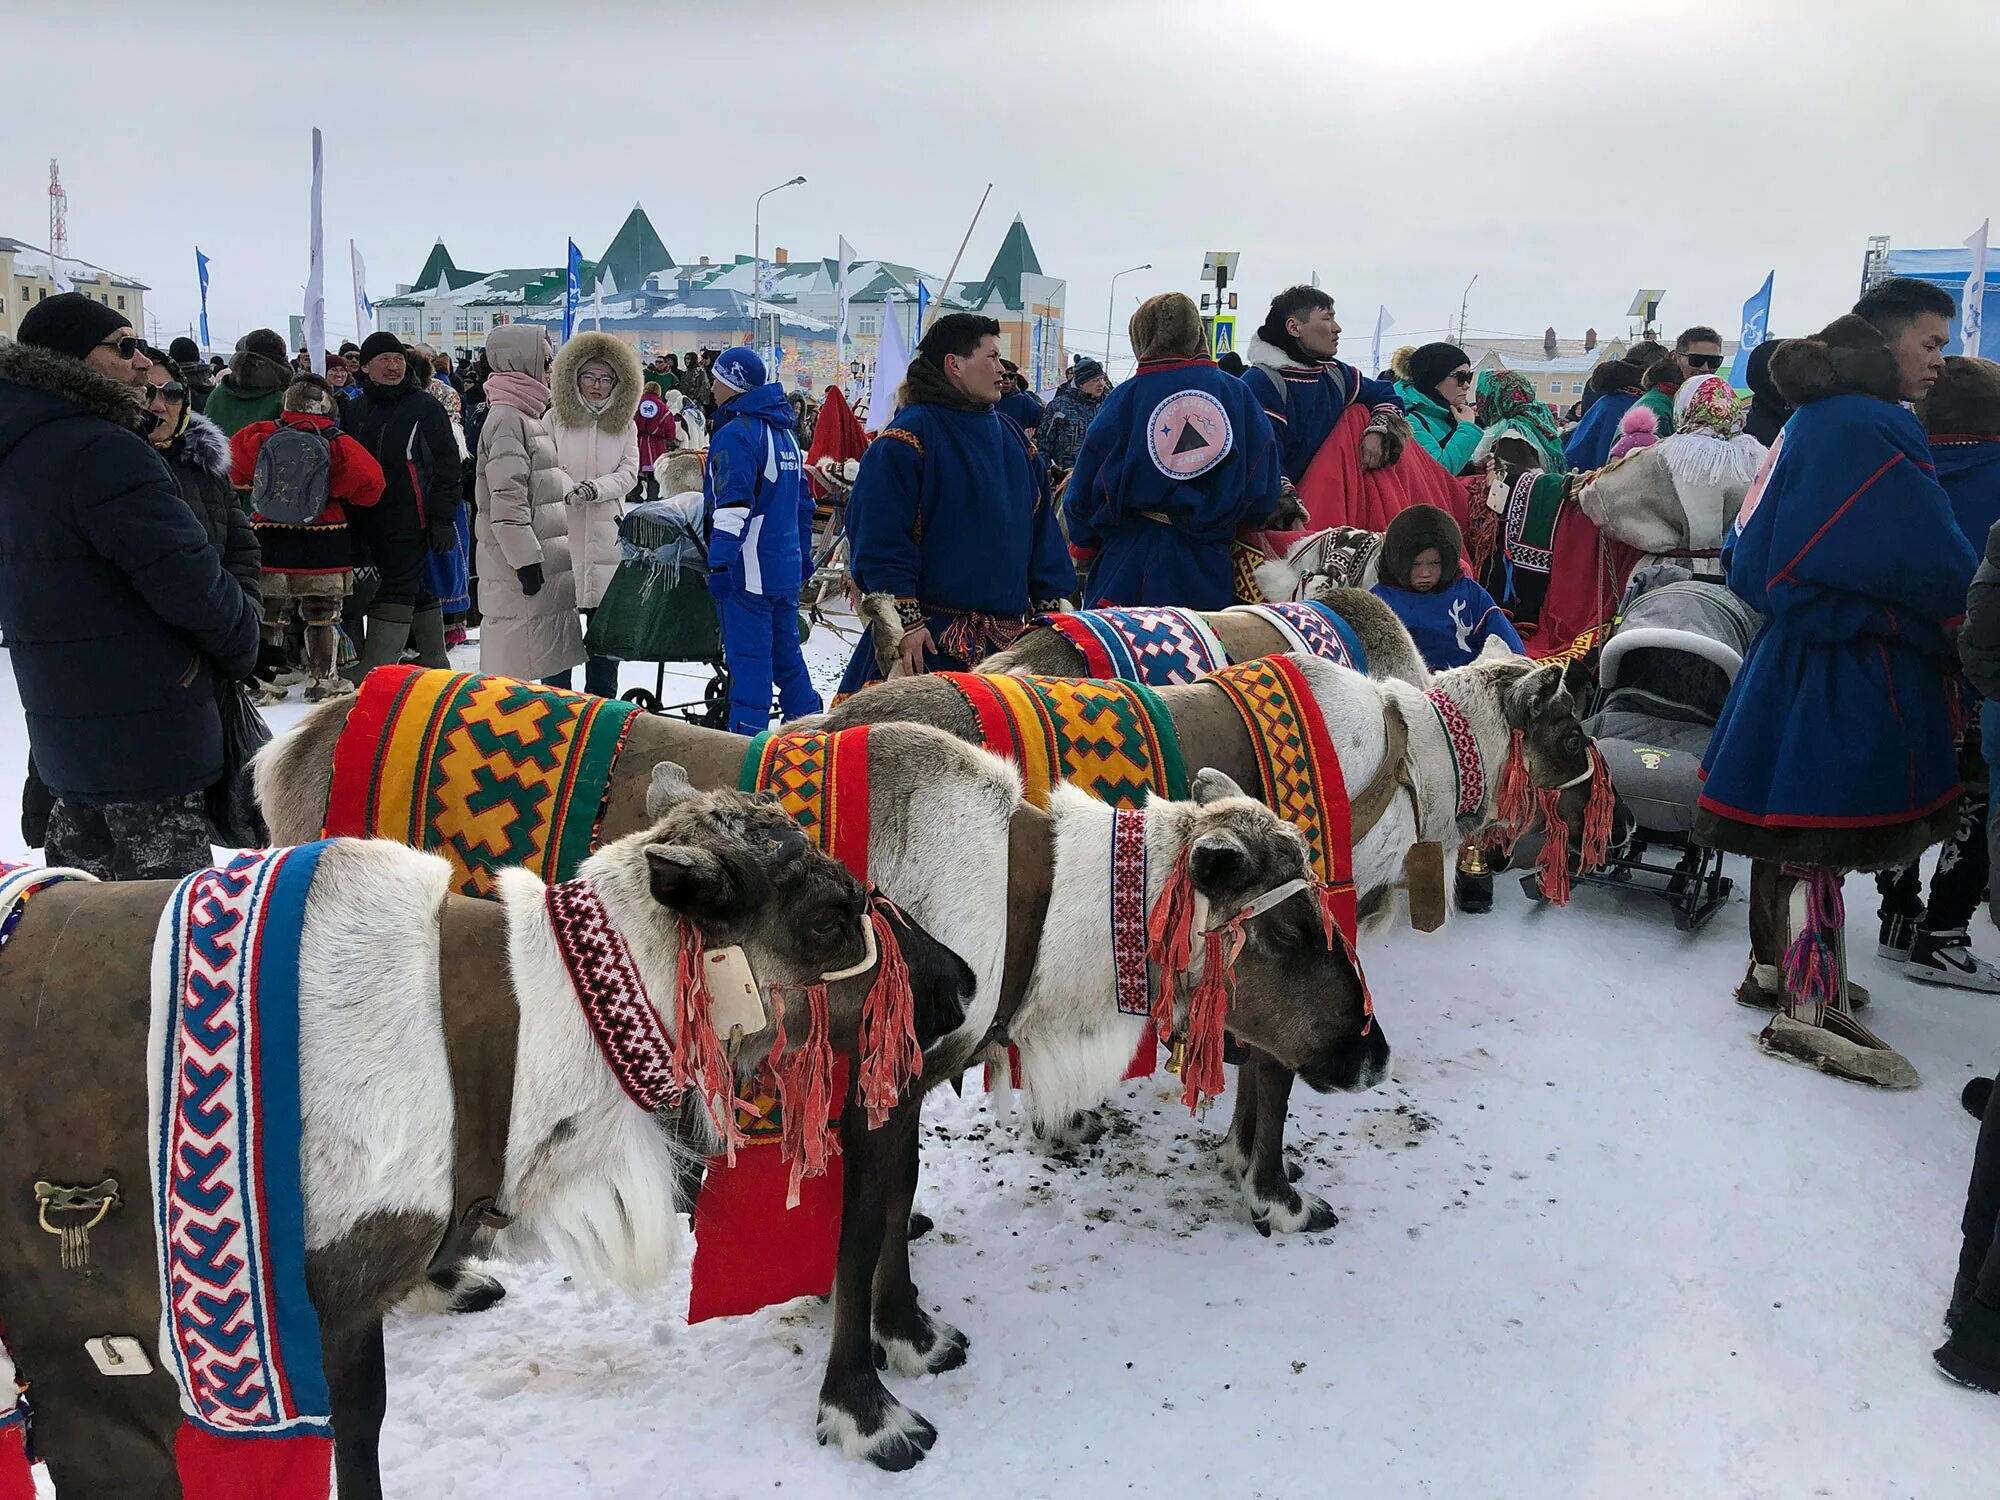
(1177, 458)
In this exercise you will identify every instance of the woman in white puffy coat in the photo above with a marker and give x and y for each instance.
(595, 393)
(527, 597)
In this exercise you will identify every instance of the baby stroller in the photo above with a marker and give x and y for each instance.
(657, 607)
(1662, 679)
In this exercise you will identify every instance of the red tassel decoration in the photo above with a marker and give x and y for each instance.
(1170, 941)
(700, 1061)
(1515, 809)
(805, 1094)
(1553, 867)
(1603, 803)
(890, 1056)
(1208, 1013)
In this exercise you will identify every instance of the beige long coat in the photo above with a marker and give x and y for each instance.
(521, 522)
(602, 448)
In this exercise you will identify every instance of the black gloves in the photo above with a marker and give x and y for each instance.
(271, 660)
(442, 533)
(531, 579)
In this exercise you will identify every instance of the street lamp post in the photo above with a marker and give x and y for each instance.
(757, 260)
(1111, 310)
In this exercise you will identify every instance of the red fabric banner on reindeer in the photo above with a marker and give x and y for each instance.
(1337, 491)
(1588, 573)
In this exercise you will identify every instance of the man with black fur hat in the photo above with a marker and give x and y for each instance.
(118, 615)
(407, 432)
(254, 388)
(1178, 459)
(1305, 391)
(1835, 750)
(953, 532)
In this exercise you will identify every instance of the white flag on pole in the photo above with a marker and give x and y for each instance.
(1383, 323)
(1972, 307)
(364, 310)
(892, 363)
(842, 351)
(316, 276)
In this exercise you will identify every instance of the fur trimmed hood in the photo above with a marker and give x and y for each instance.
(72, 380)
(1168, 326)
(1965, 402)
(1410, 532)
(202, 445)
(1848, 357)
(1261, 353)
(567, 405)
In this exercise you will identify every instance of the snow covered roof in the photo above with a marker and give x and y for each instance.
(707, 309)
(32, 260)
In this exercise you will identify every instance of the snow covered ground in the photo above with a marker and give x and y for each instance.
(1592, 1244)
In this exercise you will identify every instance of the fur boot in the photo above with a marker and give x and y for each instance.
(1817, 1027)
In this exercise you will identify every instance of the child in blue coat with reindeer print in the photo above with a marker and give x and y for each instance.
(1449, 616)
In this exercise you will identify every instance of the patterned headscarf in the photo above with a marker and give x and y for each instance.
(1708, 405)
(1505, 402)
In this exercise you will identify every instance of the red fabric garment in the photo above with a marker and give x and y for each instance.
(837, 436)
(1337, 492)
(213, 1467)
(1587, 578)
(17, 1480)
(354, 479)
(656, 429)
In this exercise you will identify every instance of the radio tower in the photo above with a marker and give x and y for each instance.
(58, 227)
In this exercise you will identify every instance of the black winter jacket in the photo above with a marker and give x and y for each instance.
(1979, 638)
(199, 461)
(112, 601)
(409, 434)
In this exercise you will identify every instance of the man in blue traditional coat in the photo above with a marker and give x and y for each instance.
(1177, 459)
(952, 531)
(1835, 750)
(1305, 391)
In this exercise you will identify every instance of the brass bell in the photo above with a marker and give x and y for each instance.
(1177, 1056)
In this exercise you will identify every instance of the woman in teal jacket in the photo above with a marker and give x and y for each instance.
(1440, 381)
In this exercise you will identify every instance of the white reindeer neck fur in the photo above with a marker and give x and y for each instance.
(590, 1175)
(1074, 1042)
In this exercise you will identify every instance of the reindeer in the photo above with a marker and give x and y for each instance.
(402, 988)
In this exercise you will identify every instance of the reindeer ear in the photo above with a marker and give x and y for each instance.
(1494, 649)
(702, 884)
(1530, 698)
(668, 787)
(1219, 862)
(1211, 785)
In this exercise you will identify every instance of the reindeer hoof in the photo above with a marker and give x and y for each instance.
(930, 1348)
(920, 1225)
(892, 1438)
(1302, 1214)
(468, 1291)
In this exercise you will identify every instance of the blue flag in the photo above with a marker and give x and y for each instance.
(1756, 328)
(923, 304)
(201, 271)
(572, 291)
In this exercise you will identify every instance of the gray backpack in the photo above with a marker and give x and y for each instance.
(294, 476)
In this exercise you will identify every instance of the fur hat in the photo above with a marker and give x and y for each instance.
(1848, 357)
(1615, 375)
(1168, 326)
(311, 393)
(1965, 402)
(1413, 530)
(267, 342)
(1430, 364)
(1399, 362)
(1639, 429)
(70, 324)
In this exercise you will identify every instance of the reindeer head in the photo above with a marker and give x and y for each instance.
(1296, 996)
(1535, 701)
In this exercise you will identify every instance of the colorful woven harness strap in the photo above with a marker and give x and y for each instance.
(1466, 763)
(1157, 645)
(488, 772)
(239, 1332)
(1116, 740)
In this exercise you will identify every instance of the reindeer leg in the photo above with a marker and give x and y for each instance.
(856, 1410)
(1274, 1202)
(358, 1389)
(908, 1340)
(1240, 1140)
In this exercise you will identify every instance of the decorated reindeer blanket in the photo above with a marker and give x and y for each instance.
(238, 1330)
(485, 771)
(1158, 645)
(1116, 740)
(1314, 629)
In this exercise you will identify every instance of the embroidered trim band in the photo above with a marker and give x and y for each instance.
(1128, 911)
(1465, 761)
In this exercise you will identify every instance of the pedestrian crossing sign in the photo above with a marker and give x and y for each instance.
(1222, 336)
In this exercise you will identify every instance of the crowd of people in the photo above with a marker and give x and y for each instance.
(175, 530)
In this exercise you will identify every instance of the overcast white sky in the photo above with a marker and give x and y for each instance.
(1567, 153)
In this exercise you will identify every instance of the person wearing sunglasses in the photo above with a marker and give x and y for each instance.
(1437, 397)
(1697, 352)
(119, 618)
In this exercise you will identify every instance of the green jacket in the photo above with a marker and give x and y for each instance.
(232, 408)
(1661, 404)
(663, 380)
(1444, 436)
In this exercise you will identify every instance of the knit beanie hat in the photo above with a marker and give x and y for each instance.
(381, 343)
(1084, 371)
(184, 351)
(739, 368)
(1432, 362)
(70, 323)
